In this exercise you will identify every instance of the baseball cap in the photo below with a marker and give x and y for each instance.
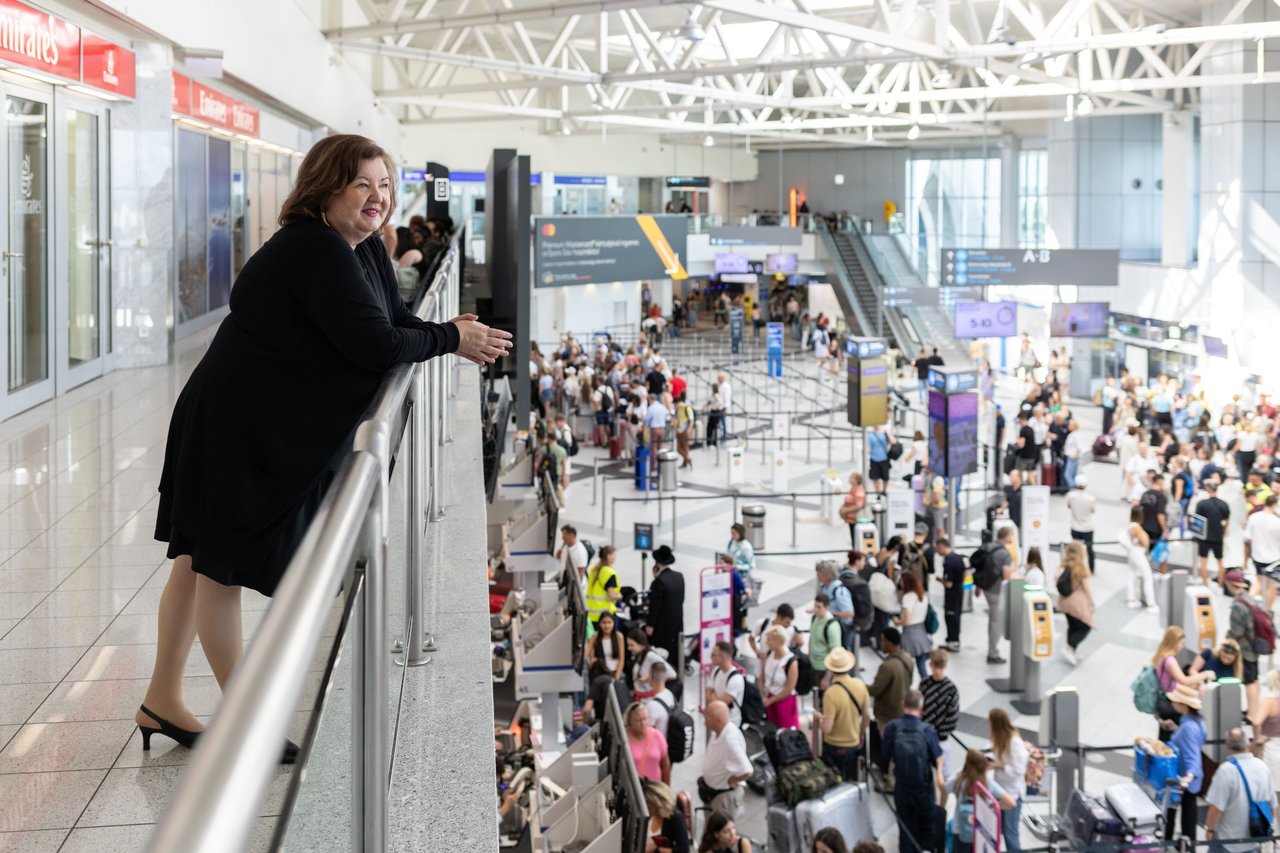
(1235, 576)
(922, 529)
(1082, 481)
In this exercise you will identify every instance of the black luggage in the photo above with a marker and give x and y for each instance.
(1090, 821)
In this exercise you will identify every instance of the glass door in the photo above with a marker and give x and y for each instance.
(25, 259)
(84, 244)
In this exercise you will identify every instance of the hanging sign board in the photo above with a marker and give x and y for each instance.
(37, 40)
(963, 267)
(716, 612)
(595, 249)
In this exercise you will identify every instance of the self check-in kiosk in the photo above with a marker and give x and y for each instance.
(866, 536)
(1197, 618)
(1028, 625)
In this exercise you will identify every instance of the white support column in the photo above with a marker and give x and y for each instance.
(1176, 152)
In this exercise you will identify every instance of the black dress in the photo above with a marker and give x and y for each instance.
(268, 415)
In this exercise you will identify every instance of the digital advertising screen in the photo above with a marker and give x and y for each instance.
(986, 320)
(962, 434)
(732, 262)
(1079, 320)
(785, 263)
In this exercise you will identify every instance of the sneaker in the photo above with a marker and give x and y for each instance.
(1070, 655)
(995, 659)
(1153, 608)
(951, 647)
(1134, 605)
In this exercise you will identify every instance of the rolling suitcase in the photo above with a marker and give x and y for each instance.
(845, 807)
(1049, 475)
(782, 830)
(615, 447)
(1090, 821)
(1131, 804)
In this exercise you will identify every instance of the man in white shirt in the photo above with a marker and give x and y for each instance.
(1139, 465)
(663, 701)
(1262, 541)
(656, 418)
(1238, 778)
(572, 553)
(725, 764)
(1083, 507)
(726, 396)
(728, 684)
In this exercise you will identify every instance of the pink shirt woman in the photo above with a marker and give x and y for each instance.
(648, 746)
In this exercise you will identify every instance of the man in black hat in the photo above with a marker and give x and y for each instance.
(666, 605)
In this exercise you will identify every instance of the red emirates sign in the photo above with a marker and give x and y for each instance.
(208, 105)
(108, 66)
(38, 40)
(181, 94)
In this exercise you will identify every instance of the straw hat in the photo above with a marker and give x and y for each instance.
(1185, 695)
(839, 661)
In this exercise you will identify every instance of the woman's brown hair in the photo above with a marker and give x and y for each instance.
(330, 165)
(1002, 733)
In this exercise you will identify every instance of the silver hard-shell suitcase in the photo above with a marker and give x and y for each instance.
(783, 837)
(846, 807)
(1136, 810)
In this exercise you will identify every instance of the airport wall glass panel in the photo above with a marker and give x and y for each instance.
(228, 202)
(1033, 197)
(951, 201)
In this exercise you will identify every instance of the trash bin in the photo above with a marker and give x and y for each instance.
(879, 506)
(753, 520)
(668, 462)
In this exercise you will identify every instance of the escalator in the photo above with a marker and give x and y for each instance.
(860, 290)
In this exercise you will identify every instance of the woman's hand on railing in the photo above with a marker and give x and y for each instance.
(478, 343)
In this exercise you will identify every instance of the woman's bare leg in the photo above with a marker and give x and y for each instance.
(175, 631)
(217, 619)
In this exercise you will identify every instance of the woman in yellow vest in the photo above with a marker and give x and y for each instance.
(602, 586)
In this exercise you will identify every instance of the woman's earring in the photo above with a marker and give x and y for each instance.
(324, 219)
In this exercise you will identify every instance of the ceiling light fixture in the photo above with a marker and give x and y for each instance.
(691, 30)
(1085, 106)
(708, 141)
(914, 133)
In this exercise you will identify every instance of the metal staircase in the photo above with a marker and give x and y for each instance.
(860, 290)
(932, 319)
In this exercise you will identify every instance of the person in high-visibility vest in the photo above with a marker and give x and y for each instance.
(603, 592)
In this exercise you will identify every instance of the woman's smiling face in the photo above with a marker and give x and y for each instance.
(359, 210)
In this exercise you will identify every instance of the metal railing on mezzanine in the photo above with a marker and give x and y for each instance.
(345, 551)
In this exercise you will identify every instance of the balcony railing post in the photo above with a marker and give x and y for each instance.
(369, 740)
(416, 446)
(436, 438)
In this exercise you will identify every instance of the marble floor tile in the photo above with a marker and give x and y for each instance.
(166, 753)
(82, 602)
(24, 666)
(108, 577)
(38, 841)
(144, 601)
(80, 701)
(19, 701)
(7, 625)
(134, 795)
(16, 605)
(113, 663)
(82, 631)
(108, 839)
(46, 800)
(7, 733)
(45, 747)
(33, 580)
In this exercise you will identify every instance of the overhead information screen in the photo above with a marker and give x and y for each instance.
(595, 249)
(962, 267)
(986, 320)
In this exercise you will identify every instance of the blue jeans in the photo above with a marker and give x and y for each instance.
(1009, 822)
(842, 759)
(923, 385)
(922, 665)
(1069, 472)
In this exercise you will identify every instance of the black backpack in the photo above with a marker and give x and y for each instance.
(914, 560)
(679, 732)
(983, 564)
(912, 767)
(864, 612)
(591, 549)
(1064, 583)
(790, 746)
(895, 450)
(804, 674)
(752, 702)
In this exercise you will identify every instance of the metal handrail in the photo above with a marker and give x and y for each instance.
(218, 798)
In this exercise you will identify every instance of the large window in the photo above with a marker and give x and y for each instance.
(1033, 198)
(951, 201)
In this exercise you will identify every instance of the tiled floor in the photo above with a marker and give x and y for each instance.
(80, 581)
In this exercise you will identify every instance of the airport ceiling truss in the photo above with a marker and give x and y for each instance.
(806, 72)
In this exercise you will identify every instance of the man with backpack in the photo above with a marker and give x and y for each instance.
(892, 681)
(843, 718)
(953, 572)
(1252, 629)
(829, 584)
(825, 635)
(668, 717)
(992, 565)
(861, 620)
(1240, 797)
(912, 745)
(917, 557)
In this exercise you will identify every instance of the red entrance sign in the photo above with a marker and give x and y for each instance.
(199, 101)
(38, 40)
(181, 94)
(108, 66)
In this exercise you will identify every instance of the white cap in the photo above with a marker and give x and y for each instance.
(1082, 481)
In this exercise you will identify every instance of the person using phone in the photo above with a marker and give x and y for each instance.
(668, 831)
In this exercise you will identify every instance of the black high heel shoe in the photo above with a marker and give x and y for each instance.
(168, 729)
(290, 753)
